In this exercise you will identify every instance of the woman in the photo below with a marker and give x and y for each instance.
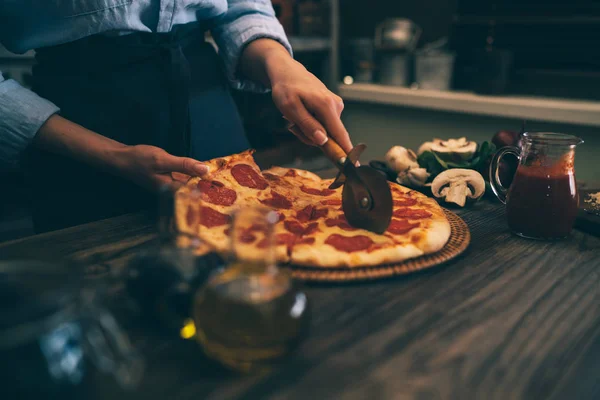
(128, 91)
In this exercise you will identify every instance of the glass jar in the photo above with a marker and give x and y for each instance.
(250, 314)
(55, 335)
(542, 200)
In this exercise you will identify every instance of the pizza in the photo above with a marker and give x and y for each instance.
(310, 228)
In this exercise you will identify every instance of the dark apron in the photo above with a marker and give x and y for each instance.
(166, 90)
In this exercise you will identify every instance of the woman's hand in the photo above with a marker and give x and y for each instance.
(153, 168)
(300, 96)
(147, 166)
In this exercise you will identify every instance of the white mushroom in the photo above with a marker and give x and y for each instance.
(454, 149)
(400, 159)
(427, 146)
(415, 177)
(456, 185)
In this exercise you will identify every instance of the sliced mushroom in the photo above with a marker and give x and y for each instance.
(414, 177)
(400, 159)
(454, 149)
(456, 185)
(427, 146)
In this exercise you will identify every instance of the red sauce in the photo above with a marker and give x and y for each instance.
(247, 176)
(211, 218)
(401, 226)
(277, 201)
(411, 213)
(216, 193)
(349, 244)
(317, 192)
(542, 202)
(291, 173)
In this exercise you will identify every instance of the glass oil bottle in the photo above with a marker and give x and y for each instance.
(250, 314)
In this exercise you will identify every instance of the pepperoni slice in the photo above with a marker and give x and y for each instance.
(247, 237)
(311, 213)
(298, 229)
(401, 226)
(211, 218)
(331, 202)
(280, 239)
(311, 228)
(216, 193)
(340, 222)
(247, 176)
(376, 247)
(349, 244)
(411, 213)
(308, 240)
(291, 172)
(294, 227)
(404, 202)
(305, 214)
(277, 201)
(190, 216)
(270, 177)
(317, 192)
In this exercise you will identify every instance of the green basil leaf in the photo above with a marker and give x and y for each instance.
(431, 163)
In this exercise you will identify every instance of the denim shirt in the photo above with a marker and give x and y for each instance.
(31, 24)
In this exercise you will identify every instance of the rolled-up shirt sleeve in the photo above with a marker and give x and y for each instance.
(245, 21)
(22, 113)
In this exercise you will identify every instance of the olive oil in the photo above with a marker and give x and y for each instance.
(250, 316)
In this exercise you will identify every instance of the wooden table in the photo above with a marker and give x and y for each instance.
(509, 319)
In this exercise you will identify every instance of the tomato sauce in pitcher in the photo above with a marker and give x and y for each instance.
(542, 200)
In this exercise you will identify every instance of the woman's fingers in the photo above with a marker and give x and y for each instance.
(169, 163)
(295, 112)
(328, 110)
(300, 135)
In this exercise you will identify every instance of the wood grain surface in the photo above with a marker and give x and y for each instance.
(509, 319)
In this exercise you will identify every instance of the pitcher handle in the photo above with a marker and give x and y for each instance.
(499, 190)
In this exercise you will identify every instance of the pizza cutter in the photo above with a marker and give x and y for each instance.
(366, 196)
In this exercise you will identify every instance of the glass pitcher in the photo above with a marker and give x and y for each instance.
(542, 200)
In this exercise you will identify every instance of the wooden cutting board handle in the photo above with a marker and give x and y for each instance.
(334, 152)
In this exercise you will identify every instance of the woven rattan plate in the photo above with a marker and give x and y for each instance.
(459, 240)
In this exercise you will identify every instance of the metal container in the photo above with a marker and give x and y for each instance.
(397, 34)
(395, 42)
(395, 69)
(433, 70)
(362, 56)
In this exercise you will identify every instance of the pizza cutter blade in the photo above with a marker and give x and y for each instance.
(366, 197)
